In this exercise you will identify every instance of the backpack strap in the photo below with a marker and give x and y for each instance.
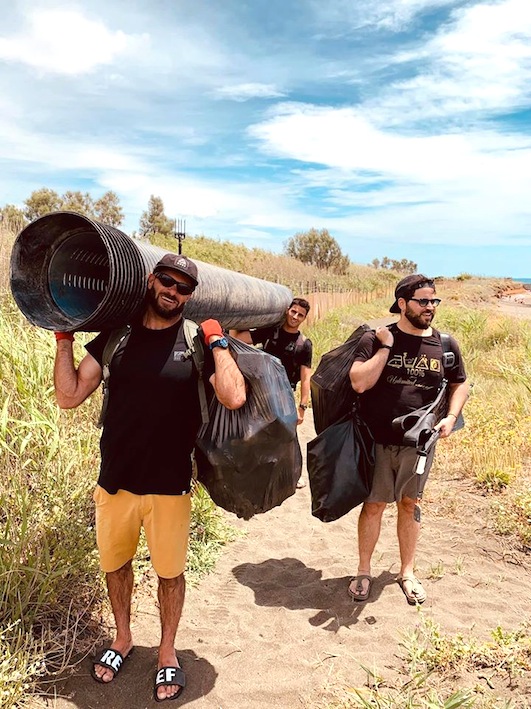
(273, 339)
(116, 338)
(196, 352)
(449, 356)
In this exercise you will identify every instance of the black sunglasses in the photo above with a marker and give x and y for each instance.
(423, 302)
(169, 282)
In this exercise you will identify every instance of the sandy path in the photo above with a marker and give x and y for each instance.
(273, 626)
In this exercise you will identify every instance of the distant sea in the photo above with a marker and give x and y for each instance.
(522, 280)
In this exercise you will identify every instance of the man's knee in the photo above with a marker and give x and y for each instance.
(373, 509)
(407, 504)
(173, 582)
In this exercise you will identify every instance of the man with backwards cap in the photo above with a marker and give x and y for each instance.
(398, 369)
(150, 426)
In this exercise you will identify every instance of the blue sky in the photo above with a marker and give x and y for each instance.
(401, 126)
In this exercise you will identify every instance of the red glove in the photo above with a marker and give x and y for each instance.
(64, 336)
(209, 328)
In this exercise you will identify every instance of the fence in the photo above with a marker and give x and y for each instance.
(322, 302)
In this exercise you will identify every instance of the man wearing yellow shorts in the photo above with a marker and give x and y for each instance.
(150, 426)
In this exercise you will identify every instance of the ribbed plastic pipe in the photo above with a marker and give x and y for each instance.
(69, 272)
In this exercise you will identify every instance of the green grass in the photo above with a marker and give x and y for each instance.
(431, 663)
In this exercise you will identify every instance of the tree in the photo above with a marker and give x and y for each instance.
(108, 209)
(318, 248)
(154, 221)
(79, 202)
(12, 218)
(402, 266)
(41, 202)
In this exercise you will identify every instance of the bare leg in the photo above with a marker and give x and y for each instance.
(369, 525)
(408, 531)
(120, 589)
(171, 600)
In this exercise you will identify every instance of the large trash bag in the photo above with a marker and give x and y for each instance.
(332, 393)
(340, 467)
(250, 459)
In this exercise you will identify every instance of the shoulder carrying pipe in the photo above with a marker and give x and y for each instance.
(69, 272)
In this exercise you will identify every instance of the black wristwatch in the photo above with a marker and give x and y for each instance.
(303, 406)
(222, 342)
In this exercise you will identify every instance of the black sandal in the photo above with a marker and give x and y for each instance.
(110, 659)
(166, 677)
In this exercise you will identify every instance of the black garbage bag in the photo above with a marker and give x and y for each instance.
(250, 459)
(340, 467)
(332, 393)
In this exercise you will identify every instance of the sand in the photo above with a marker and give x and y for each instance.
(273, 625)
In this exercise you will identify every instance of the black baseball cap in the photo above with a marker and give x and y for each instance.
(407, 286)
(180, 263)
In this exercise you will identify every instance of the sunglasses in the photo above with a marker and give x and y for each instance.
(169, 282)
(423, 302)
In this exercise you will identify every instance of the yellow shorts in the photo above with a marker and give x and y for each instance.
(166, 522)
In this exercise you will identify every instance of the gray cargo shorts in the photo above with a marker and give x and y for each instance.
(394, 474)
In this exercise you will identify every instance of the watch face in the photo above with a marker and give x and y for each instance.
(223, 342)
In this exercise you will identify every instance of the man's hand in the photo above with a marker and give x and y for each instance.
(446, 425)
(385, 336)
(211, 328)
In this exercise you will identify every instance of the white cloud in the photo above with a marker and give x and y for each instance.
(67, 42)
(478, 178)
(479, 61)
(244, 92)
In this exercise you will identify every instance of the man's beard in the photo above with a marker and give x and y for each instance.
(165, 313)
(418, 321)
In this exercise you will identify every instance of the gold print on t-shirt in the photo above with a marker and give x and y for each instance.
(415, 365)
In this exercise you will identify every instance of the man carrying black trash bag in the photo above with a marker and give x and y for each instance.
(150, 426)
(399, 369)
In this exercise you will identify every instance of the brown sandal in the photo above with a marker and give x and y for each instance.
(417, 594)
(358, 594)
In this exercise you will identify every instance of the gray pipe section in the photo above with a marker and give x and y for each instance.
(69, 272)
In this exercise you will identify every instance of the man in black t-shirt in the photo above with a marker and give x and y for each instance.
(398, 369)
(150, 426)
(288, 344)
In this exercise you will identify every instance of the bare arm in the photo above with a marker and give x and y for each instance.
(227, 380)
(306, 373)
(364, 375)
(243, 335)
(73, 386)
(456, 400)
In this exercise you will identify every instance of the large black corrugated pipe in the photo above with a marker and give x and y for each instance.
(69, 272)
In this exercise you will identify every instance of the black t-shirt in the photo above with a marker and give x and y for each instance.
(410, 379)
(279, 343)
(153, 413)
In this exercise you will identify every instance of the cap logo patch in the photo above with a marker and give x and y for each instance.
(182, 263)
